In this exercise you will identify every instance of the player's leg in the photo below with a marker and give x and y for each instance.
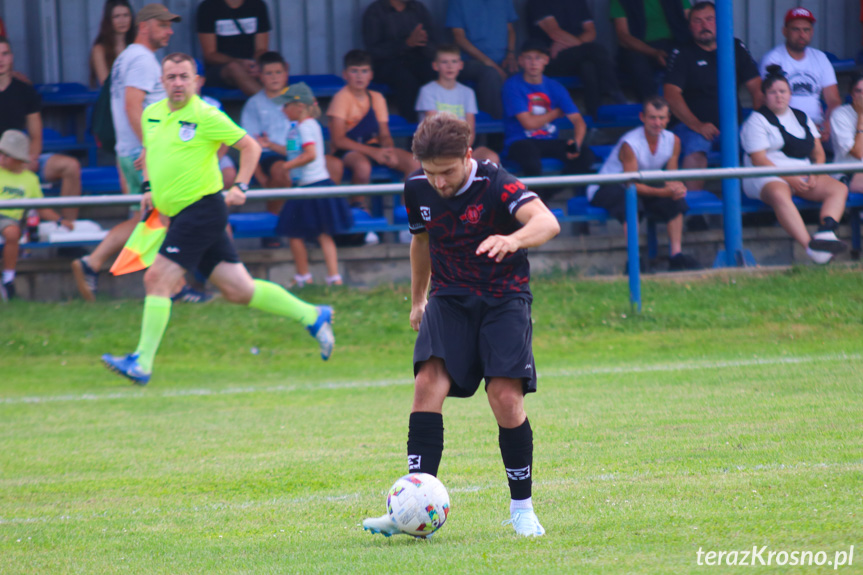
(507, 356)
(237, 286)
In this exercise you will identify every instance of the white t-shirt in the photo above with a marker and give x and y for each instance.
(135, 67)
(807, 77)
(261, 115)
(647, 160)
(460, 100)
(301, 135)
(758, 134)
(843, 132)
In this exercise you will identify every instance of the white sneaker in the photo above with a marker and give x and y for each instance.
(372, 239)
(818, 256)
(525, 523)
(826, 241)
(383, 525)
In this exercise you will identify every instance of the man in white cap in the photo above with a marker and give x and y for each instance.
(808, 70)
(16, 183)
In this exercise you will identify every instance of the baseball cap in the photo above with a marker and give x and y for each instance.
(16, 145)
(299, 92)
(799, 13)
(534, 45)
(155, 11)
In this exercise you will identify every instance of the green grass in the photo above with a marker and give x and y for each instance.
(727, 415)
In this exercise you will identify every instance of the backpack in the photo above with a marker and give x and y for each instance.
(101, 121)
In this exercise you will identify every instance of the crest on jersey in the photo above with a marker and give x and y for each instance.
(472, 214)
(425, 213)
(187, 131)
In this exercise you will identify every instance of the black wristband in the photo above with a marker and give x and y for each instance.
(146, 186)
(243, 187)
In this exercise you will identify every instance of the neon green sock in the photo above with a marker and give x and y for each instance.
(157, 312)
(273, 298)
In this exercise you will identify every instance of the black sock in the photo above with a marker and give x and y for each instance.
(828, 224)
(516, 448)
(425, 442)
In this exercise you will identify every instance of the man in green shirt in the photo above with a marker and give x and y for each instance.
(182, 135)
(647, 31)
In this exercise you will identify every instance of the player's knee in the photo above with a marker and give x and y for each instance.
(237, 294)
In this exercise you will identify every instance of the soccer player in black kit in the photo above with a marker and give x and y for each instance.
(470, 302)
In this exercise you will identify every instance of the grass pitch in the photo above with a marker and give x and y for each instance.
(727, 415)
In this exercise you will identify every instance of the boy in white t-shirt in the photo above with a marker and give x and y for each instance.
(447, 95)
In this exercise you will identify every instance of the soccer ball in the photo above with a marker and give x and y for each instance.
(418, 503)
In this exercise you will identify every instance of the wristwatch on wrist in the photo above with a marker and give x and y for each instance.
(243, 187)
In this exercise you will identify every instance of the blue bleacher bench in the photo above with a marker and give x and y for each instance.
(66, 94)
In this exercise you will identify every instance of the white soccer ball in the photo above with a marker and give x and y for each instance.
(418, 503)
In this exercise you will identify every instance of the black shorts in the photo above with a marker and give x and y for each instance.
(197, 239)
(612, 197)
(268, 159)
(478, 337)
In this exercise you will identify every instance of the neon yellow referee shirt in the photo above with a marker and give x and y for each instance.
(182, 164)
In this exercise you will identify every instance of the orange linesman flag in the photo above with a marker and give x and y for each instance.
(142, 246)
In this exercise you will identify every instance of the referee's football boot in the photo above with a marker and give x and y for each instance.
(383, 525)
(127, 366)
(525, 523)
(322, 330)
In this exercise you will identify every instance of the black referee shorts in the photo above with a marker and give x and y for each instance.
(478, 337)
(197, 239)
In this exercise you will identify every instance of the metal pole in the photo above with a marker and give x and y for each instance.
(632, 248)
(733, 254)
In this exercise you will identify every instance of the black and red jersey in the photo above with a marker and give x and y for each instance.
(485, 206)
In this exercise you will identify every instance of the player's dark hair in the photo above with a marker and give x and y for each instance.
(357, 58)
(179, 58)
(271, 57)
(447, 49)
(441, 135)
(655, 102)
(774, 74)
(699, 6)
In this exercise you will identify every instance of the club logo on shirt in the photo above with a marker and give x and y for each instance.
(472, 214)
(425, 213)
(187, 131)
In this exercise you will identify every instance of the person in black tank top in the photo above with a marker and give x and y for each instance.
(778, 192)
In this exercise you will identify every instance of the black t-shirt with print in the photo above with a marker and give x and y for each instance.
(235, 28)
(17, 102)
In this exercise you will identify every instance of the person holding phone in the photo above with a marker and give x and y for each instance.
(532, 102)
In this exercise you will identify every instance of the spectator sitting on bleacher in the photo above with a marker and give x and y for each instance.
(115, 34)
(649, 147)
(446, 94)
(532, 103)
(359, 124)
(311, 218)
(233, 33)
(485, 31)
(16, 183)
(647, 31)
(778, 135)
(567, 26)
(692, 88)
(21, 109)
(846, 124)
(810, 73)
(136, 82)
(399, 34)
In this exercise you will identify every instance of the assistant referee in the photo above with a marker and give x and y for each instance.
(182, 135)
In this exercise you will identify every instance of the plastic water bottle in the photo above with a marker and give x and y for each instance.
(33, 226)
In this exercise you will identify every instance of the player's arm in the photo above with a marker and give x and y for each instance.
(538, 225)
(420, 277)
